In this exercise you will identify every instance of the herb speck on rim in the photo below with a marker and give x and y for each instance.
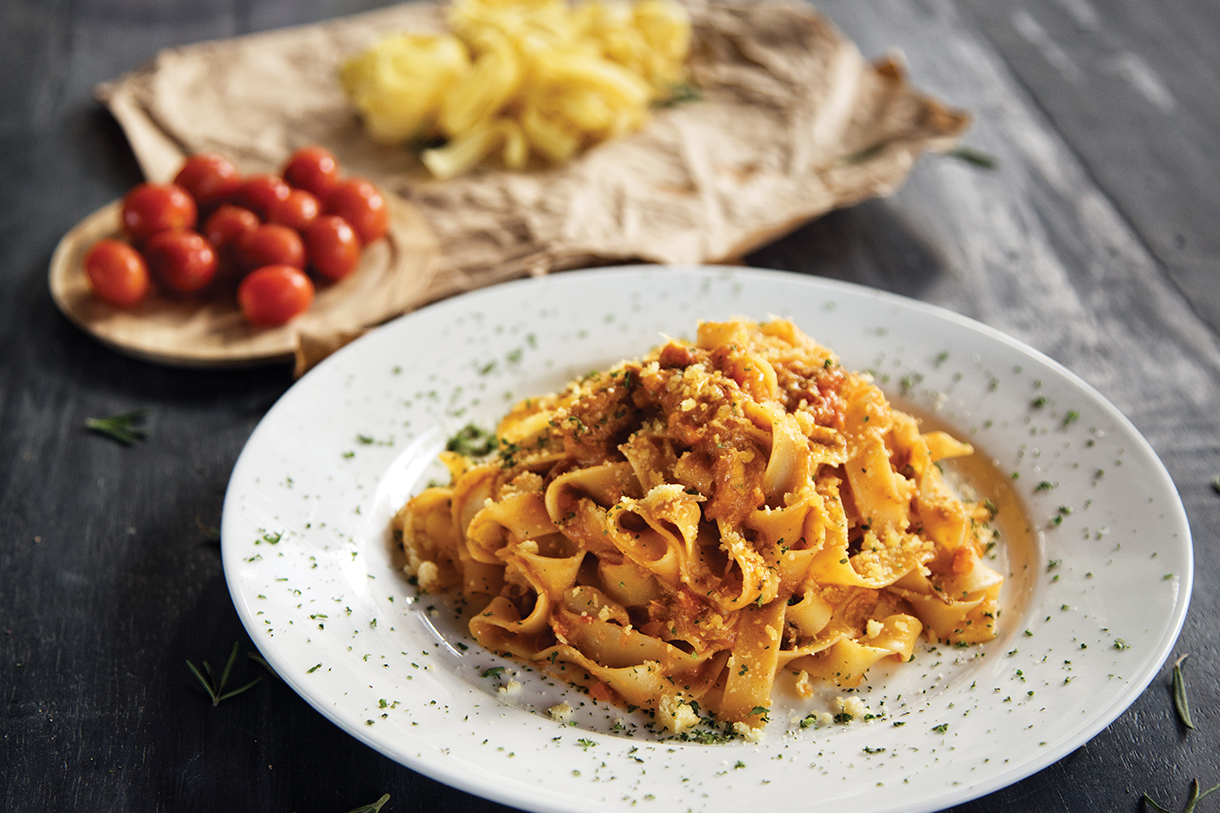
(472, 441)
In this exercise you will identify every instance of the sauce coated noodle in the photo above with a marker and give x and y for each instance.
(676, 531)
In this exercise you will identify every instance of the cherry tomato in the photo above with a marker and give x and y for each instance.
(211, 179)
(260, 191)
(296, 211)
(182, 261)
(313, 169)
(228, 223)
(270, 244)
(359, 203)
(274, 294)
(332, 246)
(117, 273)
(151, 207)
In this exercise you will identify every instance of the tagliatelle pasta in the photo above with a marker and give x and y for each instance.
(676, 532)
(521, 78)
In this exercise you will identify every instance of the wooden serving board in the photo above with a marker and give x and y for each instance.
(209, 330)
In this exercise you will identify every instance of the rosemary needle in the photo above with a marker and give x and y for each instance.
(207, 530)
(1179, 694)
(261, 661)
(971, 156)
(123, 427)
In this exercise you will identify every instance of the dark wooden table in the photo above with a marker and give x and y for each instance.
(1094, 239)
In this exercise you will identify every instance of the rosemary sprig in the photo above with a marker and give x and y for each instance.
(215, 688)
(375, 807)
(1179, 694)
(1194, 799)
(124, 427)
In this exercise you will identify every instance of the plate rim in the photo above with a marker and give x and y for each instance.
(1090, 728)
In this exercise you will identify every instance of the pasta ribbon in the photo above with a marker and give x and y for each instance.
(676, 531)
(521, 78)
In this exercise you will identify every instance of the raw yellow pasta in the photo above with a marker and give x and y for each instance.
(676, 532)
(521, 78)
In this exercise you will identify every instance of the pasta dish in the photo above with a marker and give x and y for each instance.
(679, 532)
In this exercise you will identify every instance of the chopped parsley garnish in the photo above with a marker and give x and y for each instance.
(472, 441)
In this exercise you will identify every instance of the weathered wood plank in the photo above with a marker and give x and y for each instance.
(1131, 87)
(1071, 244)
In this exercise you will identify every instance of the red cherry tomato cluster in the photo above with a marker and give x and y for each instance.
(266, 230)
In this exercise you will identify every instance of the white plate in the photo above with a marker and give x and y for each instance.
(1093, 604)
